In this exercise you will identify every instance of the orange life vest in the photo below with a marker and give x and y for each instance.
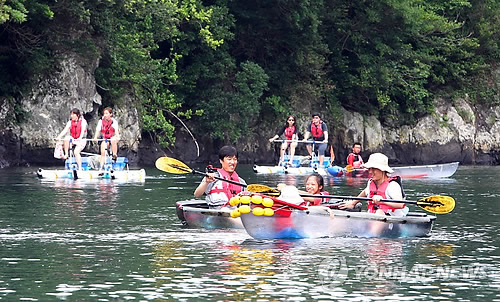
(317, 131)
(355, 160)
(289, 131)
(374, 190)
(225, 187)
(107, 129)
(76, 128)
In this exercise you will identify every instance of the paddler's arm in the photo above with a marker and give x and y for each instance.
(393, 192)
(202, 187)
(349, 204)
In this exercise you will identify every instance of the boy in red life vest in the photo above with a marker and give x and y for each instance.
(219, 192)
(108, 128)
(354, 158)
(319, 132)
(290, 130)
(76, 128)
(381, 186)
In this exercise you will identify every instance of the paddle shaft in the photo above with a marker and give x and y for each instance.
(217, 177)
(358, 198)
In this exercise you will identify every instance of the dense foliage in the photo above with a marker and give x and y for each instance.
(232, 64)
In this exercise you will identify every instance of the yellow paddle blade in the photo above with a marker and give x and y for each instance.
(437, 204)
(349, 168)
(172, 165)
(263, 190)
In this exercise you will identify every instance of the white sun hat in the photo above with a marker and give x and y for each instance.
(378, 161)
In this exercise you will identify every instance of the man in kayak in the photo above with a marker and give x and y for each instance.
(220, 192)
(354, 158)
(319, 132)
(381, 186)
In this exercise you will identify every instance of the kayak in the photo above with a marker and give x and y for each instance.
(196, 213)
(302, 165)
(289, 217)
(424, 171)
(317, 222)
(338, 171)
(430, 171)
(113, 170)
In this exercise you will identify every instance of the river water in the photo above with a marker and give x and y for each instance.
(102, 241)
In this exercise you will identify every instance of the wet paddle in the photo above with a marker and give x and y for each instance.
(435, 204)
(172, 165)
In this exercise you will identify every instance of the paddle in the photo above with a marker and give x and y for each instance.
(172, 165)
(435, 204)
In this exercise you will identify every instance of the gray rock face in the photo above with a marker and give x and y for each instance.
(49, 107)
(453, 133)
(52, 100)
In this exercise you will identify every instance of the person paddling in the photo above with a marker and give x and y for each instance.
(381, 186)
(354, 159)
(218, 193)
(75, 132)
(108, 128)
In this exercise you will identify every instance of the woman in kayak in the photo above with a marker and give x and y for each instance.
(290, 130)
(220, 192)
(381, 186)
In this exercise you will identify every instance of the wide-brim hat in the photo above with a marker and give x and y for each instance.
(378, 161)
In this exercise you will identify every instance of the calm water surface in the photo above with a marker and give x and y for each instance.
(81, 241)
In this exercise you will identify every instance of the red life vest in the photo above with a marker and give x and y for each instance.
(289, 131)
(107, 129)
(317, 131)
(355, 160)
(318, 201)
(227, 188)
(372, 206)
(76, 128)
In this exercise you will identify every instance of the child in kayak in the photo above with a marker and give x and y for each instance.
(314, 186)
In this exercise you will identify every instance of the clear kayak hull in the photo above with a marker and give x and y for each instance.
(317, 222)
(195, 213)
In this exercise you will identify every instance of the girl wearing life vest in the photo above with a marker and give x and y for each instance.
(381, 186)
(319, 132)
(107, 127)
(354, 159)
(74, 132)
(291, 138)
(315, 185)
(219, 192)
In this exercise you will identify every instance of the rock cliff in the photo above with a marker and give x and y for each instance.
(460, 132)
